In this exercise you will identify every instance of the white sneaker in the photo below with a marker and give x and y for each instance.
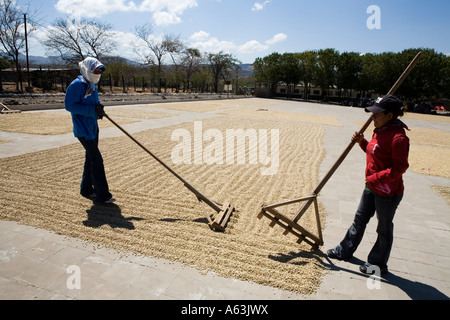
(110, 200)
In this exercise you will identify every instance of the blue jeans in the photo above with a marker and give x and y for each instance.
(94, 177)
(385, 208)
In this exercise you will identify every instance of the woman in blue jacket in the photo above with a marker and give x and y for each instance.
(83, 103)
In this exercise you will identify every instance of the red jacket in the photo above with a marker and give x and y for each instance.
(387, 159)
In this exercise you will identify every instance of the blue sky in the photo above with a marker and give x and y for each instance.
(256, 28)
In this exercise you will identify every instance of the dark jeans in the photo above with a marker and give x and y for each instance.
(94, 177)
(385, 208)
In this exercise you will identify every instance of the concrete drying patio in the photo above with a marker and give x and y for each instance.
(35, 263)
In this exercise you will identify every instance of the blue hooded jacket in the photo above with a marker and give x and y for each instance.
(82, 109)
(81, 98)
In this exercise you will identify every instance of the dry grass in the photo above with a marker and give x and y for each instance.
(136, 114)
(430, 160)
(45, 123)
(429, 137)
(215, 105)
(420, 136)
(429, 150)
(55, 123)
(426, 117)
(284, 116)
(155, 215)
(444, 192)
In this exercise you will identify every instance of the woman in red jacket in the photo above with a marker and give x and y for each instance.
(387, 160)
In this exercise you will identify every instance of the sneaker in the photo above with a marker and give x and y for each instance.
(368, 268)
(89, 196)
(110, 200)
(331, 253)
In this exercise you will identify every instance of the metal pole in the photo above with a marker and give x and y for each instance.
(26, 48)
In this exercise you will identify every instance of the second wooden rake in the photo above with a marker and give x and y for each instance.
(291, 225)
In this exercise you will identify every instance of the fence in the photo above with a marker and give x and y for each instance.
(57, 81)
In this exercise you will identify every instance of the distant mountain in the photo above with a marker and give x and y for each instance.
(44, 61)
(246, 70)
(38, 61)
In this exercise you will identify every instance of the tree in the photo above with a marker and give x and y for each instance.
(326, 69)
(158, 49)
(267, 69)
(220, 65)
(370, 72)
(191, 63)
(175, 49)
(5, 62)
(116, 70)
(290, 70)
(202, 79)
(74, 41)
(390, 69)
(348, 70)
(12, 32)
(429, 79)
(308, 67)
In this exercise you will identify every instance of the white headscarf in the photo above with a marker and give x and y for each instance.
(87, 67)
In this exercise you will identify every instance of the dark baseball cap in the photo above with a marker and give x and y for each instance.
(387, 103)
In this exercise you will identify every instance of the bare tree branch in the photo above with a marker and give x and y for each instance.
(12, 31)
(74, 41)
(168, 45)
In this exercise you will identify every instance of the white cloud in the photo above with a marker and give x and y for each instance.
(164, 12)
(259, 6)
(214, 45)
(126, 44)
(280, 37)
(165, 18)
(205, 43)
(253, 46)
(34, 42)
(200, 36)
(93, 8)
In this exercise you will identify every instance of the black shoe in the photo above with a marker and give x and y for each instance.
(368, 268)
(89, 196)
(109, 201)
(331, 253)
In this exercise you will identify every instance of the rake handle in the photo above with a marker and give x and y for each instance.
(352, 143)
(199, 195)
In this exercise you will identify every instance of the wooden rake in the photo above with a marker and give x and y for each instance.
(292, 226)
(223, 211)
(5, 109)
